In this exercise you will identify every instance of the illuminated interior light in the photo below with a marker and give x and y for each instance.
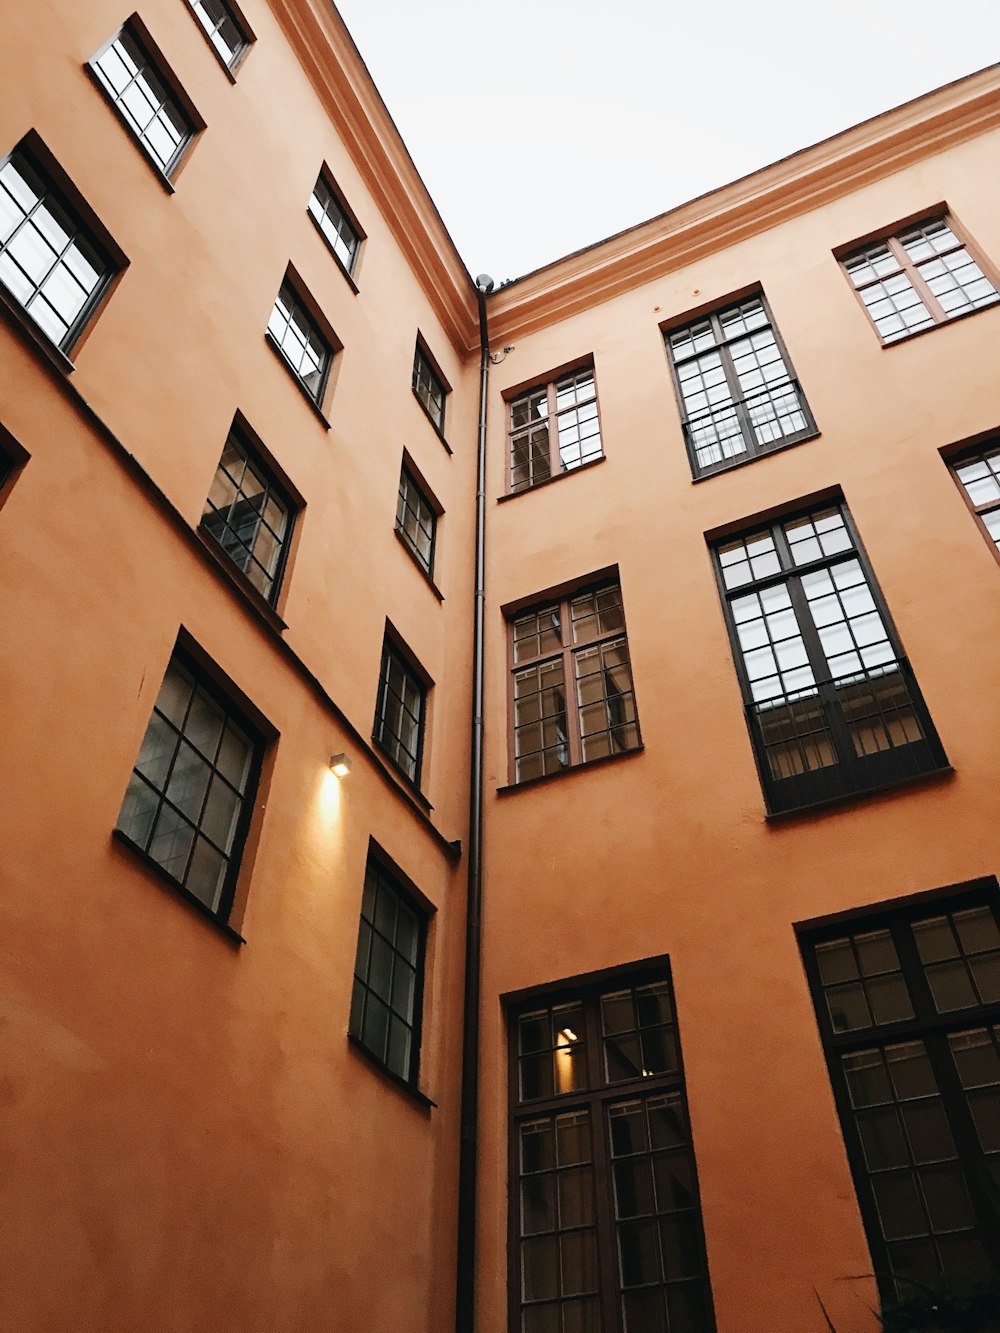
(340, 765)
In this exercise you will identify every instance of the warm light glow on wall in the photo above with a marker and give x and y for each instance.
(566, 1061)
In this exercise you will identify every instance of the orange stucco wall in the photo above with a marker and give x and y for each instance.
(189, 1141)
(667, 851)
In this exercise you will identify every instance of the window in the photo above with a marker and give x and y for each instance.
(831, 702)
(336, 227)
(429, 387)
(388, 974)
(399, 712)
(225, 29)
(50, 260)
(304, 349)
(978, 473)
(908, 1004)
(737, 394)
(249, 517)
(188, 804)
(572, 693)
(152, 106)
(604, 1196)
(416, 520)
(554, 428)
(921, 276)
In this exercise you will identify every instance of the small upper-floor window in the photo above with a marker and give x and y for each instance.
(831, 701)
(921, 275)
(571, 681)
(400, 711)
(429, 386)
(225, 28)
(738, 395)
(335, 224)
(387, 999)
(55, 260)
(249, 515)
(978, 473)
(189, 801)
(554, 428)
(416, 520)
(304, 347)
(146, 96)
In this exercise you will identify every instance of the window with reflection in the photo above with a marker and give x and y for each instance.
(923, 275)
(188, 803)
(416, 520)
(387, 999)
(428, 386)
(831, 702)
(249, 516)
(335, 225)
(399, 712)
(571, 681)
(50, 262)
(224, 28)
(553, 429)
(296, 336)
(603, 1192)
(738, 395)
(909, 1009)
(156, 112)
(977, 471)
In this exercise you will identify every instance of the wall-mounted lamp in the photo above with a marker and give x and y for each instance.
(340, 765)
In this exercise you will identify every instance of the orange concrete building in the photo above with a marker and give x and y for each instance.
(434, 897)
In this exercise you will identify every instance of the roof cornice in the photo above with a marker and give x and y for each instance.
(806, 180)
(324, 47)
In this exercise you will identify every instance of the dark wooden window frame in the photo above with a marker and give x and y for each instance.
(927, 1022)
(136, 30)
(246, 32)
(588, 988)
(40, 162)
(322, 327)
(889, 236)
(251, 443)
(406, 890)
(410, 469)
(967, 453)
(562, 597)
(853, 776)
(350, 272)
(422, 355)
(754, 451)
(262, 735)
(548, 382)
(393, 646)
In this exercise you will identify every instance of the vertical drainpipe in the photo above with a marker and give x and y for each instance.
(465, 1274)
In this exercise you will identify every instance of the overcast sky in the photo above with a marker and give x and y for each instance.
(540, 126)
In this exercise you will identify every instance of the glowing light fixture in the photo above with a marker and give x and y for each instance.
(340, 765)
(569, 1035)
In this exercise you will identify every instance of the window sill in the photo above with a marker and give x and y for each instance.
(39, 340)
(436, 428)
(834, 803)
(565, 772)
(410, 1089)
(933, 328)
(719, 470)
(559, 476)
(336, 258)
(135, 141)
(168, 881)
(393, 768)
(269, 339)
(240, 581)
(428, 579)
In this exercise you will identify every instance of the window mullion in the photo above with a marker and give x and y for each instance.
(573, 718)
(825, 687)
(553, 425)
(917, 280)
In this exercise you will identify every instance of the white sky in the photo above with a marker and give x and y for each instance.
(540, 126)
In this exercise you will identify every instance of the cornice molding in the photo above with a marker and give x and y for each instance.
(868, 152)
(327, 53)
